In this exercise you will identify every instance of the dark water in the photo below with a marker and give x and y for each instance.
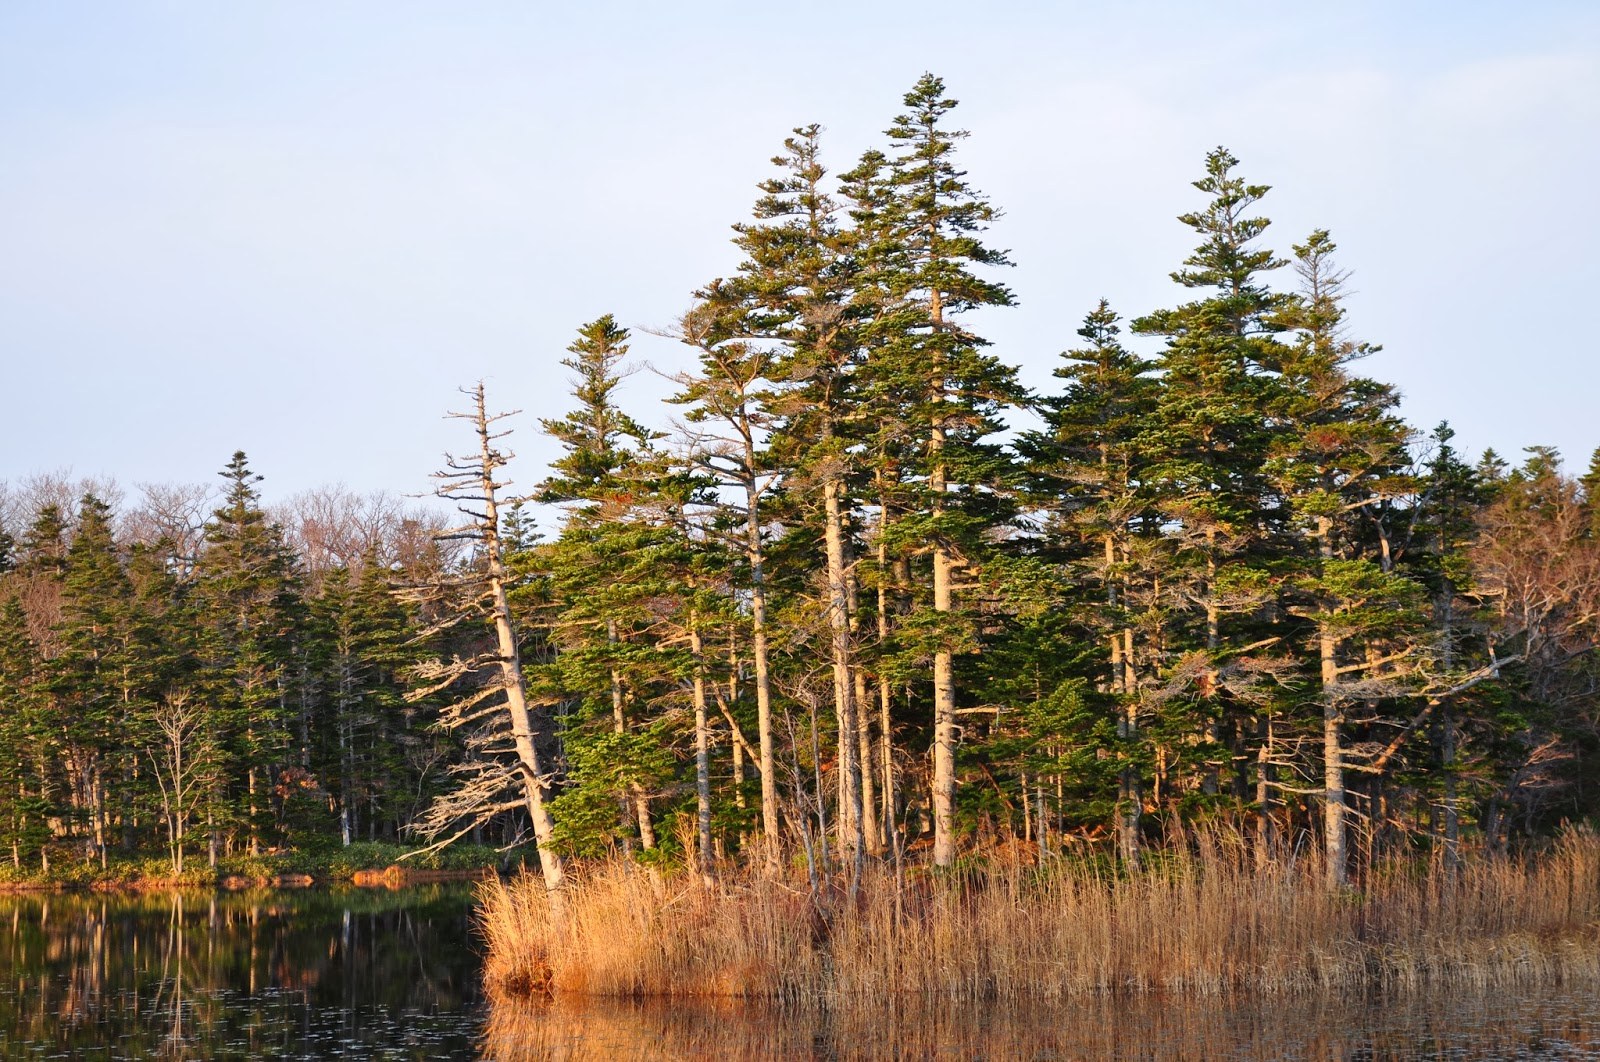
(298, 974)
(380, 975)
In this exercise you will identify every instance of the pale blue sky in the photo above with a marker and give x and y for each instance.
(295, 228)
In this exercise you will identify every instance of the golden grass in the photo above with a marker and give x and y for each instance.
(1202, 924)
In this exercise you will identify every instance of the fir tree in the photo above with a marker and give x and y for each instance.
(787, 318)
(729, 397)
(1337, 450)
(246, 586)
(1086, 470)
(368, 642)
(944, 390)
(25, 802)
(602, 576)
(1206, 444)
(89, 672)
(797, 291)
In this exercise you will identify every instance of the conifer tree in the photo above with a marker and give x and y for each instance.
(1206, 444)
(1590, 482)
(1338, 449)
(24, 795)
(945, 390)
(1447, 511)
(367, 639)
(1086, 470)
(794, 290)
(730, 397)
(602, 572)
(44, 795)
(599, 441)
(778, 356)
(88, 671)
(250, 608)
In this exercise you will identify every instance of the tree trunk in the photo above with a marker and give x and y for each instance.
(763, 672)
(1448, 742)
(1335, 839)
(98, 814)
(871, 835)
(944, 722)
(632, 802)
(702, 755)
(346, 755)
(885, 695)
(510, 661)
(1122, 687)
(851, 846)
(1264, 825)
(1452, 805)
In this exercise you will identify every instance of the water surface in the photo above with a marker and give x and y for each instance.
(359, 974)
(1501, 1027)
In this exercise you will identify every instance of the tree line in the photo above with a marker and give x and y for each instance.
(861, 595)
(176, 681)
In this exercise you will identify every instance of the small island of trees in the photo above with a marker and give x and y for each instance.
(864, 651)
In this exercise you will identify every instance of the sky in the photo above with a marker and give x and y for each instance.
(296, 228)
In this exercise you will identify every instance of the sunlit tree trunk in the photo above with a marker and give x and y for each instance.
(1335, 841)
(851, 846)
(509, 655)
(702, 754)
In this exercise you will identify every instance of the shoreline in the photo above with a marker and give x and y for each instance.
(1198, 927)
(364, 865)
(375, 878)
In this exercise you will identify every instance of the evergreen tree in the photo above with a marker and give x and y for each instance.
(599, 441)
(603, 576)
(250, 609)
(1446, 522)
(1085, 469)
(90, 672)
(1590, 482)
(367, 639)
(795, 289)
(788, 317)
(945, 391)
(1206, 445)
(1337, 450)
(730, 397)
(25, 803)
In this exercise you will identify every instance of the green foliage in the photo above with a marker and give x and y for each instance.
(1217, 566)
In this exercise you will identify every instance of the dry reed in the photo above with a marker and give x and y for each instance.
(1206, 923)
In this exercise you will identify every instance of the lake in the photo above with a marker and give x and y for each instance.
(372, 974)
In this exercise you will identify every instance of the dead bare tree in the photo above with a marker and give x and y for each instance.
(184, 764)
(172, 515)
(502, 770)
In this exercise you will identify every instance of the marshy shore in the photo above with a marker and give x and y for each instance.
(1207, 922)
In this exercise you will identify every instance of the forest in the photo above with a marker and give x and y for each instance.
(856, 599)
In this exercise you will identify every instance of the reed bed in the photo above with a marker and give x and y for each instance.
(1206, 923)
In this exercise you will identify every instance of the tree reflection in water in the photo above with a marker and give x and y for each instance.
(173, 975)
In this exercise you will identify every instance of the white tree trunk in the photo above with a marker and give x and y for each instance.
(851, 847)
(510, 662)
